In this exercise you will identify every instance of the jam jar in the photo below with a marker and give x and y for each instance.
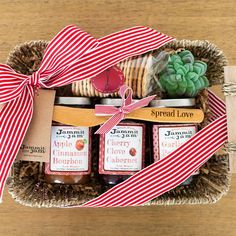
(168, 137)
(121, 150)
(70, 154)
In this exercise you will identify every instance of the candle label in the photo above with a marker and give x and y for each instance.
(168, 138)
(70, 154)
(122, 150)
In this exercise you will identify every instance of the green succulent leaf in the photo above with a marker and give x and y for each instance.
(189, 67)
(199, 67)
(186, 56)
(182, 86)
(192, 76)
(171, 82)
(206, 81)
(170, 70)
(202, 82)
(162, 82)
(170, 88)
(181, 70)
(198, 85)
(190, 90)
(176, 65)
(176, 59)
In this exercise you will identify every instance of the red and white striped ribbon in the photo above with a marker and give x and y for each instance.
(172, 170)
(72, 55)
(216, 106)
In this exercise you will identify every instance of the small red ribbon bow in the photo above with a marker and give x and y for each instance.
(118, 114)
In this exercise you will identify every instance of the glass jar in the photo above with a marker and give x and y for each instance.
(168, 137)
(70, 159)
(122, 150)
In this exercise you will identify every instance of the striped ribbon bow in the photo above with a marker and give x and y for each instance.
(71, 55)
(128, 105)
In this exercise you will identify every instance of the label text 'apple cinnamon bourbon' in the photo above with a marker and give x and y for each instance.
(69, 148)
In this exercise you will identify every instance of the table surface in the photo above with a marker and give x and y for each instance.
(27, 20)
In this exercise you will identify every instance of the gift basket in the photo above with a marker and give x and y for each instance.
(153, 72)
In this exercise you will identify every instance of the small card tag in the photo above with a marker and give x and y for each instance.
(36, 144)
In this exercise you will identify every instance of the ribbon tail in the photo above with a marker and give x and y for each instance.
(15, 118)
(113, 121)
(107, 110)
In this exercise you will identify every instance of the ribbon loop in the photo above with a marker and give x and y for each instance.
(126, 93)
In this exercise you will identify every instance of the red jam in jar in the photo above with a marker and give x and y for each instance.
(122, 150)
(70, 159)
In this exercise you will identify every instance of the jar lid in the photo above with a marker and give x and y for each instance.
(72, 101)
(180, 102)
(113, 101)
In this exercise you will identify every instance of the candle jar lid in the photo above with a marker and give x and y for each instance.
(180, 102)
(73, 101)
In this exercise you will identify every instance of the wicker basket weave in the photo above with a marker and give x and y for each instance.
(27, 185)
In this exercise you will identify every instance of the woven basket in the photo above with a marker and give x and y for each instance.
(26, 183)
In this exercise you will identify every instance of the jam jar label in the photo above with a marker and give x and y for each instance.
(122, 151)
(168, 138)
(70, 150)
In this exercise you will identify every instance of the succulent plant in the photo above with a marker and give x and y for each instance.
(183, 76)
